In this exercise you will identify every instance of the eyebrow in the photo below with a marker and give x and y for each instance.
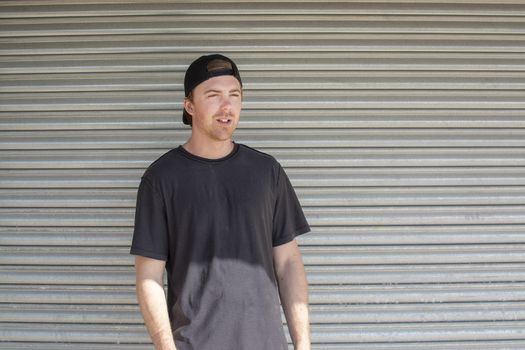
(211, 90)
(220, 91)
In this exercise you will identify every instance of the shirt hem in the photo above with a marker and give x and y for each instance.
(148, 254)
(291, 237)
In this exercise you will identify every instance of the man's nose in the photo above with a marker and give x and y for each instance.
(226, 103)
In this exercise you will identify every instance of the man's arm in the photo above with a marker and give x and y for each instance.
(152, 301)
(293, 289)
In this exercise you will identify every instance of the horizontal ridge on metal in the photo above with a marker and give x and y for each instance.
(400, 124)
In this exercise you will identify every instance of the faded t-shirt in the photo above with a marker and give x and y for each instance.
(215, 223)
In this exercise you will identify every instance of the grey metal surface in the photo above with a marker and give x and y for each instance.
(401, 124)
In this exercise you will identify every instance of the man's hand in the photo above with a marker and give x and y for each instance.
(152, 301)
(293, 289)
(303, 346)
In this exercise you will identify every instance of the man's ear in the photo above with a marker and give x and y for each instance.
(188, 105)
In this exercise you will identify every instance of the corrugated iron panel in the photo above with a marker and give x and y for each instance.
(400, 124)
(319, 294)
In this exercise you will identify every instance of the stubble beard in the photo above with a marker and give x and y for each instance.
(224, 132)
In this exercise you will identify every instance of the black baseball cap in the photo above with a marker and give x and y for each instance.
(204, 68)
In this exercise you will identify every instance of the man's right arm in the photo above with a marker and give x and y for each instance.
(152, 300)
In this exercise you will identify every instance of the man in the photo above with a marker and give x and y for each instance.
(221, 218)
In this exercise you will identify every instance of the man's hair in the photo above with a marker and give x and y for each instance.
(186, 117)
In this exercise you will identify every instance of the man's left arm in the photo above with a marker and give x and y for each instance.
(293, 290)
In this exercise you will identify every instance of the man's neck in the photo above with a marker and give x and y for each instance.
(209, 150)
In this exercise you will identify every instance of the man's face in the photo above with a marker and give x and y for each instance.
(215, 107)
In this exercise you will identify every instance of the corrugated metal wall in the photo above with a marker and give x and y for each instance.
(401, 125)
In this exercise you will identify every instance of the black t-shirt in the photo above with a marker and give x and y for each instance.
(215, 223)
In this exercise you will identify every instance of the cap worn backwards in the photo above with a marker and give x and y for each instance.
(204, 68)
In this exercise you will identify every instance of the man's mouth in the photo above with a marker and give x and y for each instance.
(225, 121)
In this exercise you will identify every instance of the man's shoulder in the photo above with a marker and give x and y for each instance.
(162, 165)
(256, 155)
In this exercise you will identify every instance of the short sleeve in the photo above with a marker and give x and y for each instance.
(288, 220)
(150, 236)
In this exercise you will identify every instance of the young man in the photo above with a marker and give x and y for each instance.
(221, 218)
